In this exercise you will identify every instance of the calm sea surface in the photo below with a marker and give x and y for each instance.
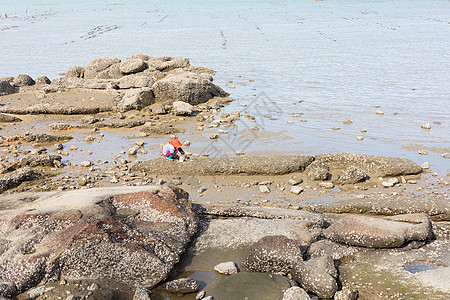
(341, 59)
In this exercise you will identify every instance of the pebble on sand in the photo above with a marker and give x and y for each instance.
(264, 189)
(296, 190)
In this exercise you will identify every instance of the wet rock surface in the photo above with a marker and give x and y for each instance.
(131, 237)
(17, 177)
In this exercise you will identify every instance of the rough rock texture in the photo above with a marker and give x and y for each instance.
(182, 286)
(374, 166)
(295, 293)
(131, 235)
(376, 233)
(136, 99)
(14, 179)
(43, 80)
(81, 83)
(317, 276)
(132, 65)
(346, 294)
(8, 118)
(248, 165)
(158, 109)
(23, 80)
(437, 208)
(187, 87)
(318, 171)
(141, 293)
(43, 160)
(227, 268)
(274, 254)
(328, 248)
(6, 88)
(181, 108)
(134, 81)
(351, 175)
(75, 71)
(99, 64)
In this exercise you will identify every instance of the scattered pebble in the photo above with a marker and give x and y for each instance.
(213, 136)
(290, 122)
(363, 130)
(264, 189)
(132, 151)
(227, 268)
(255, 128)
(426, 126)
(58, 146)
(423, 152)
(336, 128)
(425, 165)
(241, 152)
(359, 137)
(379, 112)
(140, 143)
(446, 155)
(85, 163)
(346, 121)
(296, 190)
(326, 185)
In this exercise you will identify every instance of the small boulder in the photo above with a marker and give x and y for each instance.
(99, 64)
(23, 80)
(227, 268)
(274, 254)
(346, 294)
(158, 109)
(181, 108)
(136, 99)
(295, 293)
(141, 293)
(182, 286)
(326, 185)
(264, 189)
(133, 65)
(318, 171)
(296, 190)
(43, 80)
(134, 81)
(328, 248)
(317, 276)
(426, 126)
(75, 71)
(6, 88)
(4, 118)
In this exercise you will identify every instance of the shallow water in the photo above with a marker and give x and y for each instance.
(340, 58)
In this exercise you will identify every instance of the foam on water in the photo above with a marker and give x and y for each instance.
(342, 58)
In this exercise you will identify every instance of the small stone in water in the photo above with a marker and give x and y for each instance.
(423, 152)
(336, 128)
(425, 165)
(379, 112)
(227, 268)
(326, 185)
(240, 152)
(359, 137)
(132, 151)
(264, 189)
(214, 136)
(296, 190)
(85, 163)
(347, 121)
(426, 126)
(200, 295)
(363, 130)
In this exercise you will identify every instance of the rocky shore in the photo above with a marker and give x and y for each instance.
(89, 209)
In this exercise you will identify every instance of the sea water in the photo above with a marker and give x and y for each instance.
(328, 60)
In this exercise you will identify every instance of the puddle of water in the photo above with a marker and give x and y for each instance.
(419, 266)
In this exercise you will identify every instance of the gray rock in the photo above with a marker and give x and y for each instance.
(326, 185)
(112, 72)
(318, 170)
(375, 233)
(208, 298)
(295, 293)
(200, 295)
(133, 151)
(317, 276)
(182, 286)
(4, 118)
(351, 175)
(8, 79)
(133, 65)
(295, 181)
(141, 293)
(58, 146)
(43, 80)
(181, 108)
(39, 291)
(274, 254)
(425, 165)
(15, 178)
(7, 289)
(6, 88)
(136, 99)
(264, 189)
(250, 165)
(187, 87)
(328, 248)
(99, 64)
(75, 71)
(373, 166)
(390, 183)
(296, 190)
(173, 63)
(227, 268)
(134, 81)
(23, 80)
(158, 109)
(85, 163)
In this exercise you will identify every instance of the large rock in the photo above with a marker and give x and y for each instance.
(274, 254)
(318, 171)
(181, 108)
(376, 233)
(6, 88)
(374, 166)
(317, 276)
(136, 99)
(81, 83)
(132, 65)
(23, 80)
(351, 175)
(99, 64)
(113, 72)
(175, 63)
(75, 71)
(43, 80)
(133, 236)
(187, 87)
(248, 165)
(15, 178)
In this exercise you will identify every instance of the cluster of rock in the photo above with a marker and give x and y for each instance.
(136, 82)
(132, 236)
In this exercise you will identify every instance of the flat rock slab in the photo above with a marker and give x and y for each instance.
(372, 165)
(436, 207)
(381, 274)
(245, 165)
(67, 102)
(133, 235)
(376, 233)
